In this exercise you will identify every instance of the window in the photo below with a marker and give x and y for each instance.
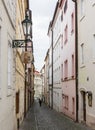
(93, 2)
(72, 23)
(65, 69)
(93, 47)
(61, 72)
(62, 16)
(73, 105)
(62, 41)
(73, 67)
(82, 53)
(17, 102)
(66, 102)
(65, 6)
(66, 33)
(0, 62)
(82, 7)
(9, 65)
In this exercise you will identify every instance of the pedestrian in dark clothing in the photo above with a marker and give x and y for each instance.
(40, 102)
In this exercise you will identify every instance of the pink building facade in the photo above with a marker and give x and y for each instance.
(68, 59)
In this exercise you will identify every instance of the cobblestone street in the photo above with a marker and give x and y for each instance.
(43, 118)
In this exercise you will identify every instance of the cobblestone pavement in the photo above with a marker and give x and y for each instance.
(43, 118)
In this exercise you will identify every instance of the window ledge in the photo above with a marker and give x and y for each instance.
(82, 66)
(73, 113)
(66, 78)
(93, 61)
(93, 4)
(72, 77)
(8, 95)
(65, 41)
(9, 92)
(82, 17)
(72, 31)
(66, 108)
(62, 80)
(0, 94)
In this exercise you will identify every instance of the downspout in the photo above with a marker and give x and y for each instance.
(52, 70)
(27, 4)
(76, 57)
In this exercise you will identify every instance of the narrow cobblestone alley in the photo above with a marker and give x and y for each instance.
(43, 118)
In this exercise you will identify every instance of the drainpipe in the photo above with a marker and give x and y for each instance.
(27, 4)
(76, 57)
(52, 71)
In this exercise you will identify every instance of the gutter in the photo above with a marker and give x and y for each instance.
(27, 4)
(76, 57)
(56, 8)
(52, 71)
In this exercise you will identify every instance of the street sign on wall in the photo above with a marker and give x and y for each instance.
(18, 43)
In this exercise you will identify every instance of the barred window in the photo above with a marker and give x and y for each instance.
(9, 64)
(65, 7)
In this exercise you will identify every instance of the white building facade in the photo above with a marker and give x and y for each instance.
(86, 69)
(50, 77)
(57, 91)
(46, 81)
(7, 65)
(50, 35)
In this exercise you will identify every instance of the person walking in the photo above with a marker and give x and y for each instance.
(40, 102)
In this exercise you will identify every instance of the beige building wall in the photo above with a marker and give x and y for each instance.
(19, 88)
(32, 80)
(21, 6)
(7, 65)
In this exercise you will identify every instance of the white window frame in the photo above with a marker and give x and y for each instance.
(82, 9)
(73, 66)
(72, 22)
(62, 72)
(93, 48)
(9, 64)
(93, 2)
(82, 55)
(61, 41)
(66, 34)
(0, 62)
(66, 69)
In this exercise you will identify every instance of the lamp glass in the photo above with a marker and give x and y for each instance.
(27, 25)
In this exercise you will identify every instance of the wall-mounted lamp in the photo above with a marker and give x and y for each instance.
(27, 25)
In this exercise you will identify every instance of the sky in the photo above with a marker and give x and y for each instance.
(42, 14)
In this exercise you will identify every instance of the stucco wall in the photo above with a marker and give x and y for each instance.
(7, 99)
(86, 27)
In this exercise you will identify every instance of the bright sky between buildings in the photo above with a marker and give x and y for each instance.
(42, 13)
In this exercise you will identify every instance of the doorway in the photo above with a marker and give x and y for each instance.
(17, 107)
(84, 105)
